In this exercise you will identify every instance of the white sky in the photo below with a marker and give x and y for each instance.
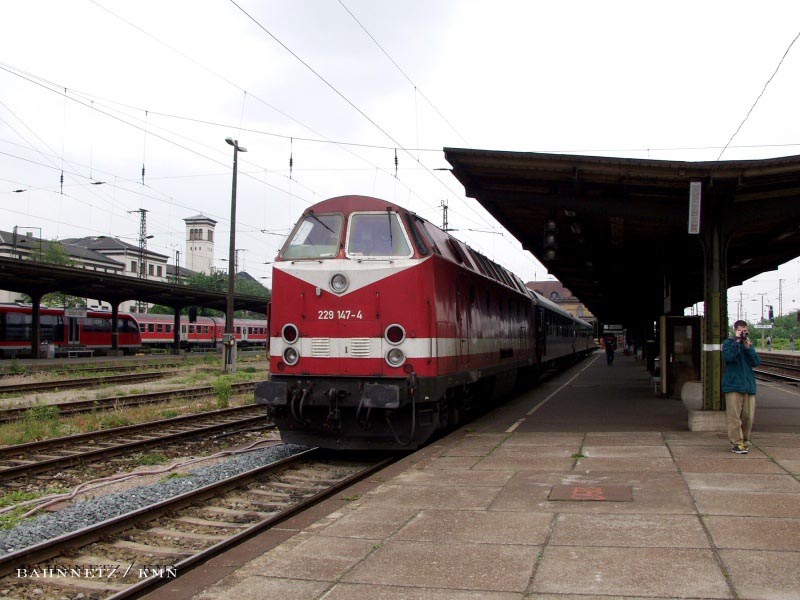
(668, 80)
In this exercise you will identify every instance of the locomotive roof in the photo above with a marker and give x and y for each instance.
(473, 260)
(353, 203)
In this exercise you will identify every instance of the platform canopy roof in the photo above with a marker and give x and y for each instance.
(31, 277)
(622, 242)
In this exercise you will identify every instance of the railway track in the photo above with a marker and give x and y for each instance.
(150, 545)
(83, 382)
(779, 368)
(116, 402)
(25, 460)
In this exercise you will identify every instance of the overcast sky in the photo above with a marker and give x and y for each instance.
(339, 85)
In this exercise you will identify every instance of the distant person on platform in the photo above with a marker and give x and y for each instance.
(791, 342)
(611, 346)
(739, 386)
(769, 343)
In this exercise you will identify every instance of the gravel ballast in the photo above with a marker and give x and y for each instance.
(91, 511)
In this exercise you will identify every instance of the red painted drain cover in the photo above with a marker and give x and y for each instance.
(594, 493)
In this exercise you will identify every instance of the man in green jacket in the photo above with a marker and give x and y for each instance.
(739, 386)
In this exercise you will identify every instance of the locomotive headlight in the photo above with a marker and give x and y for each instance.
(395, 357)
(339, 283)
(394, 334)
(291, 356)
(289, 333)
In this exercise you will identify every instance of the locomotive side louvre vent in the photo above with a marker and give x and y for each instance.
(320, 347)
(360, 347)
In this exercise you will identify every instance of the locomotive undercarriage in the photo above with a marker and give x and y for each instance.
(388, 414)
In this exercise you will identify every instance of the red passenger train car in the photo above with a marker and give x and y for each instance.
(384, 329)
(92, 332)
(206, 332)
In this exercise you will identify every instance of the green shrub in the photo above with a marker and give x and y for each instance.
(223, 390)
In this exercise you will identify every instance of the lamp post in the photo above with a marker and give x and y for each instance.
(229, 339)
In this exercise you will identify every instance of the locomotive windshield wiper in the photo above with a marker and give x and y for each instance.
(317, 219)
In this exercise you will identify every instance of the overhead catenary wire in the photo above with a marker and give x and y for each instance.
(404, 74)
(764, 89)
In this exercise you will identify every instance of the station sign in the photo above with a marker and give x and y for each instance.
(613, 328)
(75, 312)
(765, 326)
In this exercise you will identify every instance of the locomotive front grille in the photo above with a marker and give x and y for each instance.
(321, 347)
(360, 347)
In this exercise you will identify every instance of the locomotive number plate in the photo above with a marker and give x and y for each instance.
(344, 315)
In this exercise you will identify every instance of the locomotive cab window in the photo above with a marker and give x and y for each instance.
(377, 235)
(316, 236)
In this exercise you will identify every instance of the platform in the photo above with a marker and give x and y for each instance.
(650, 510)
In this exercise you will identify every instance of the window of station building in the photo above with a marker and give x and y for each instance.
(133, 266)
(553, 295)
(159, 271)
(150, 269)
(210, 235)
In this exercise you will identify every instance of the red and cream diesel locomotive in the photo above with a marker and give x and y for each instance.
(384, 329)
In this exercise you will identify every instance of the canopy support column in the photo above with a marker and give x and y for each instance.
(715, 323)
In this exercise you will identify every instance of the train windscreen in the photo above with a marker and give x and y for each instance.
(317, 236)
(377, 235)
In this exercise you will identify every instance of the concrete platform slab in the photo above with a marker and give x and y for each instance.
(792, 466)
(444, 497)
(785, 440)
(693, 438)
(489, 567)
(508, 461)
(258, 588)
(554, 438)
(450, 462)
(370, 522)
(319, 558)
(480, 527)
(360, 591)
(589, 465)
(737, 482)
(455, 477)
(747, 504)
(722, 450)
(653, 493)
(630, 438)
(625, 451)
(726, 465)
(782, 452)
(630, 531)
(653, 572)
(760, 575)
(754, 533)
